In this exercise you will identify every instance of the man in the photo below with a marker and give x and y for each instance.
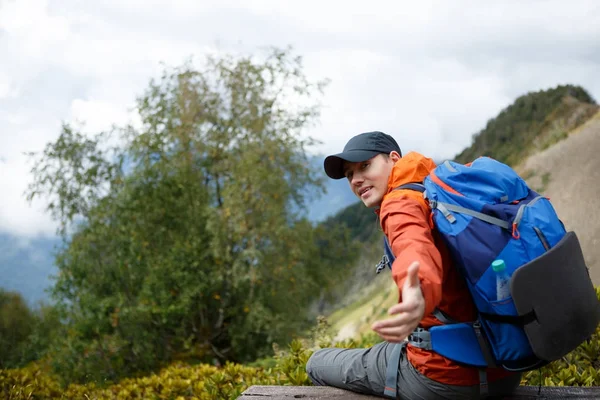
(373, 164)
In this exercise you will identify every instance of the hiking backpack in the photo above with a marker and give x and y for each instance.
(484, 211)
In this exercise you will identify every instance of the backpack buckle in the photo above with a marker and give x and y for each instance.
(385, 262)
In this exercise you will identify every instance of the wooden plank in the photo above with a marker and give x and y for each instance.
(554, 392)
(300, 392)
(325, 392)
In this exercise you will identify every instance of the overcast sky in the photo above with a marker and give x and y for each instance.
(431, 73)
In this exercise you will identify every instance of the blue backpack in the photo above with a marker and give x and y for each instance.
(485, 212)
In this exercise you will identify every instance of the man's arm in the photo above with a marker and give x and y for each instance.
(405, 220)
(417, 269)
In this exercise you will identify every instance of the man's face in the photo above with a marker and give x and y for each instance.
(369, 179)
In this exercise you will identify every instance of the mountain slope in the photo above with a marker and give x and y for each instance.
(569, 173)
(533, 122)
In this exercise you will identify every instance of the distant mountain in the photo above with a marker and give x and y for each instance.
(337, 197)
(26, 265)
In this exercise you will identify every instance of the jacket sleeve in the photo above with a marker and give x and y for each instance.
(405, 221)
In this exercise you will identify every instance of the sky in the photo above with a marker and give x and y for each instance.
(430, 73)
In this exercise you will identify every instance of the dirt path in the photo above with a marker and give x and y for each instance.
(569, 173)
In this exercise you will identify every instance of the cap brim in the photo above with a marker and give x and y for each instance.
(334, 164)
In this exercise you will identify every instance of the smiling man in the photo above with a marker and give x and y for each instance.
(373, 164)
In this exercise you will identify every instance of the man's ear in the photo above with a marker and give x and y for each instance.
(395, 156)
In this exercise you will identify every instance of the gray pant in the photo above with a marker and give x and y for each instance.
(363, 371)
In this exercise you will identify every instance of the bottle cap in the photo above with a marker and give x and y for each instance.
(498, 266)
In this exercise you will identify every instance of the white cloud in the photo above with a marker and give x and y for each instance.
(28, 22)
(431, 72)
(99, 116)
(16, 215)
(7, 88)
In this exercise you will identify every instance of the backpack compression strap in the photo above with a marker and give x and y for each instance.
(391, 372)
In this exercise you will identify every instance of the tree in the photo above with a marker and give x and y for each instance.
(16, 324)
(182, 241)
(25, 333)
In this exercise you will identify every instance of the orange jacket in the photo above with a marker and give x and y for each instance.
(405, 217)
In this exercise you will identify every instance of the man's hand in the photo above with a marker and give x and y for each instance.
(408, 313)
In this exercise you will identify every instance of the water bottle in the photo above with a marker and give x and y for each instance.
(502, 280)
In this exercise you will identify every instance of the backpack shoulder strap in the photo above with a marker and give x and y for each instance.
(388, 256)
(416, 186)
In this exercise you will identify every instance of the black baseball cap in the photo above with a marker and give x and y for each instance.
(360, 148)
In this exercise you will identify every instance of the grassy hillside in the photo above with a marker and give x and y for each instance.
(362, 226)
(533, 122)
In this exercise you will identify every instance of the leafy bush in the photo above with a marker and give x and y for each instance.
(25, 334)
(180, 380)
(16, 324)
(204, 382)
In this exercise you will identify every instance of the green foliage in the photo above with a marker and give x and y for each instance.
(293, 364)
(181, 242)
(45, 329)
(16, 324)
(202, 381)
(179, 380)
(25, 334)
(534, 121)
(362, 223)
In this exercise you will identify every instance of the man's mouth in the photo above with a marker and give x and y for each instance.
(364, 190)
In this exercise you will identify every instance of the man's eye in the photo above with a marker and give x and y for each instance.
(349, 175)
(364, 165)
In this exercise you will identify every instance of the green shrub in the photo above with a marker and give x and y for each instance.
(25, 334)
(16, 324)
(183, 381)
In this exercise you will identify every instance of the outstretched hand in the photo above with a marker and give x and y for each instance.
(407, 314)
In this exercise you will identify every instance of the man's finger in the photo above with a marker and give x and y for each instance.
(394, 337)
(397, 321)
(412, 279)
(402, 307)
(395, 331)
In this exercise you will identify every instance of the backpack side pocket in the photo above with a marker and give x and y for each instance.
(556, 288)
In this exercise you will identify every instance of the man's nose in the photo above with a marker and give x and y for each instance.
(357, 178)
